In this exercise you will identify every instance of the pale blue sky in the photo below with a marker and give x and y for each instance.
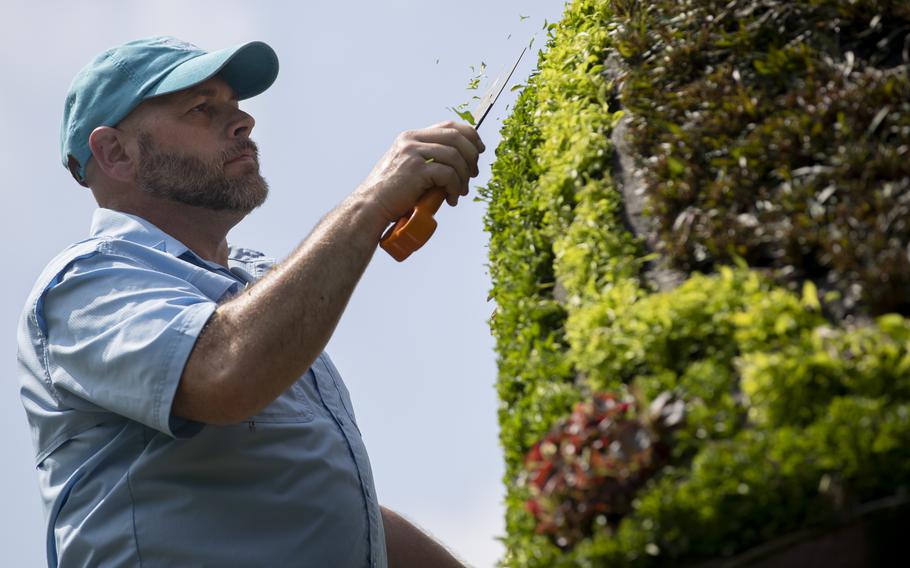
(414, 346)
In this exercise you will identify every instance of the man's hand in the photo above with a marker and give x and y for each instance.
(443, 155)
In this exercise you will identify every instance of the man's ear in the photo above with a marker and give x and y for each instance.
(109, 150)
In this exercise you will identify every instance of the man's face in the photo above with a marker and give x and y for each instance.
(188, 179)
(195, 149)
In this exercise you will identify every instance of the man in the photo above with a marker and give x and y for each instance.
(182, 407)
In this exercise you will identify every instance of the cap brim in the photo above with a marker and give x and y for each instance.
(249, 69)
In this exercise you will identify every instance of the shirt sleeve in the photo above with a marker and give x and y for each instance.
(119, 334)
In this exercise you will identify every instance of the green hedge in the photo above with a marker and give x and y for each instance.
(795, 414)
(777, 132)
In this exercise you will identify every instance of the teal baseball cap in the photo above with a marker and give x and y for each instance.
(106, 90)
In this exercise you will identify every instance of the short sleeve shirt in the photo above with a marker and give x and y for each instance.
(103, 340)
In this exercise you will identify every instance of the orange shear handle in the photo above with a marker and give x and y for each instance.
(413, 231)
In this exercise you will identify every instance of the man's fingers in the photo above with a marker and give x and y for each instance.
(453, 139)
(466, 130)
(441, 154)
(444, 176)
(462, 137)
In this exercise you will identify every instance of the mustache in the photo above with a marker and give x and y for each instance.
(239, 148)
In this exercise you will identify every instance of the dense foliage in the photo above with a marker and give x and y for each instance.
(794, 415)
(778, 132)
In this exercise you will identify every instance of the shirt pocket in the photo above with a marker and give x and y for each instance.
(291, 406)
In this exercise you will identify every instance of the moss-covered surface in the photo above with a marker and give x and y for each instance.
(772, 138)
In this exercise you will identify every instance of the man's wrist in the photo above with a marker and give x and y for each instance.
(369, 212)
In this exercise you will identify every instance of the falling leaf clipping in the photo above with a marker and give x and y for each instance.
(463, 113)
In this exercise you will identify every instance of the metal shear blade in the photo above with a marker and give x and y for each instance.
(489, 98)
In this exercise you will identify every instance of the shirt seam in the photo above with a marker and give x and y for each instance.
(129, 488)
(39, 333)
(363, 493)
(106, 246)
(341, 397)
(46, 368)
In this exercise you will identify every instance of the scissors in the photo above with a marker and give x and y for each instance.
(413, 230)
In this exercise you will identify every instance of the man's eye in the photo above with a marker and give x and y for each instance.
(203, 107)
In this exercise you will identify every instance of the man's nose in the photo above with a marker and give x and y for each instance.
(241, 125)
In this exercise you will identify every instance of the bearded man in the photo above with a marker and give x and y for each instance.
(182, 408)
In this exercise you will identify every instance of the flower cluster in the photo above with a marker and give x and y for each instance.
(587, 468)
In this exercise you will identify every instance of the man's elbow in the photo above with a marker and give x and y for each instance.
(213, 398)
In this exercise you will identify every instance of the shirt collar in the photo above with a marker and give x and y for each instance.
(135, 229)
(110, 223)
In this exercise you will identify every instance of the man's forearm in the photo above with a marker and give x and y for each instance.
(407, 546)
(255, 346)
(258, 343)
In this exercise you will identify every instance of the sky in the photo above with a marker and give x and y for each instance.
(414, 345)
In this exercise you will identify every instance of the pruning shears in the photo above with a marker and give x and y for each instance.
(414, 229)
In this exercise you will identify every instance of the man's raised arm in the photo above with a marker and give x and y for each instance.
(258, 343)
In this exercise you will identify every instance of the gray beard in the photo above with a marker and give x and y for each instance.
(192, 181)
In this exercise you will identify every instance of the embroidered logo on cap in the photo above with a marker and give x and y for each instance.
(177, 44)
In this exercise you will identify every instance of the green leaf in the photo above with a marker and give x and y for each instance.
(475, 82)
(677, 166)
(465, 115)
(810, 296)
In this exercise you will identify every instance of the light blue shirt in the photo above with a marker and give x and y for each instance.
(103, 340)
